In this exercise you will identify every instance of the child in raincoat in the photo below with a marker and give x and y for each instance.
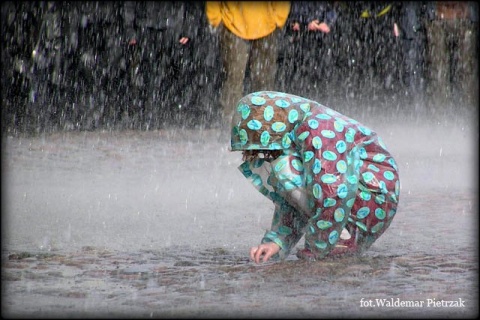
(331, 178)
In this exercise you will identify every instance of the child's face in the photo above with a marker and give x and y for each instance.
(267, 155)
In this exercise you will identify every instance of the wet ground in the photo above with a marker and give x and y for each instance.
(158, 225)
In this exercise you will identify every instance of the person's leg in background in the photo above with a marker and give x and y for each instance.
(235, 53)
(263, 63)
(438, 64)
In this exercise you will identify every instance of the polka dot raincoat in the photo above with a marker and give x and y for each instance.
(335, 174)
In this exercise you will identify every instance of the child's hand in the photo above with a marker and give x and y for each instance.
(267, 250)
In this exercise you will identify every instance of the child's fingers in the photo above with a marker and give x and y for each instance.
(268, 254)
(253, 250)
(258, 254)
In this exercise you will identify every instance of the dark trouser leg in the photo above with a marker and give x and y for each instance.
(263, 63)
(235, 53)
(438, 64)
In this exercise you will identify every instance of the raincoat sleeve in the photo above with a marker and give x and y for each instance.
(286, 229)
(289, 196)
(213, 12)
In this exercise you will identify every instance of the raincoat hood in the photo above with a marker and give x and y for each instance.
(266, 120)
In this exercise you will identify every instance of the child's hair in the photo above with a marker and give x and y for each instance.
(267, 155)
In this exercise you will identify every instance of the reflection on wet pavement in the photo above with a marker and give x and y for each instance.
(215, 282)
(97, 229)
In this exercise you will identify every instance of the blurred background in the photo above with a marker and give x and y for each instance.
(69, 66)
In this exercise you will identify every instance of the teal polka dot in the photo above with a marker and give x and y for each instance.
(307, 156)
(306, 115)
(342, 191)
(268, 113)
(284, 230)
(286, 141)
(361, 225)
(264, 191)
(296, 99)
(363, 153)
(256, 179)
(258, 101)
(245, 168)
(350, 135)
(328, 134)
(243, 136)
(276, 218)
(380, 213)
(276, 197)
(292, 116)
(282, 103)
(297, 180)
(329, 178)
(367, 142)
(383, 187)
(341, 166)
(363, 212)
(379, 157)
(380, 199)
(275, 146)
(305, 107)
(373, 167)
(365, 195)
(338, 126)
(244, 110)
(317, 215)
(320, 244)
(317, 142)
(339, 215)
(377, 227)
(312, 123)
(257, 163)
(389, 175)
(308, 178)
(279, 127)
(323, 224)
(323, 116)
(341, 146)
(265, 138)
(392, 162)
(341, 121)
(353, 121)
(329, 155)
(303, 135)
(317, 166)
(280, 164)
(329, 202)
(254, 124)
(329, 111)
(368, 176)
(297, 165)
(350, 202)
(317, 191)
(391, 213)
(366, 131)
(352, 179)
(311, 229)
(333, 237)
